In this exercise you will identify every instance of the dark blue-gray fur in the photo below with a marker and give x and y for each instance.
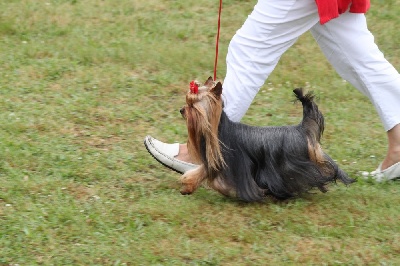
(274, 161)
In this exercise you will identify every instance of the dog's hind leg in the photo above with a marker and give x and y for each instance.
(326, 165)
(192, 179)
(339, 173)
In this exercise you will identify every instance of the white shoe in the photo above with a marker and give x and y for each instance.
(165, 154)
(390, 173)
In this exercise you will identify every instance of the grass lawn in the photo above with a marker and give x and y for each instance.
(83, 82)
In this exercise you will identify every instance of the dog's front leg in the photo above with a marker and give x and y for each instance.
(192, 179)
(222, 187)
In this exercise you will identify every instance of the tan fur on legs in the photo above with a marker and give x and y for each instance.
(317, 155)
(220, 185)
(192, 179)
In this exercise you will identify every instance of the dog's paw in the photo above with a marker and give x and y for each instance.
(186, 190)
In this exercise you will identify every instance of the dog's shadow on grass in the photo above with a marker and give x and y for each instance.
(214, 198)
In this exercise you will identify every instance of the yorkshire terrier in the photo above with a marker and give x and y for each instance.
(249, 162)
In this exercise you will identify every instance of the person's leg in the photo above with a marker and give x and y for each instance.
(183, 154)
(393, 153)
(350, 48)
(254, 51)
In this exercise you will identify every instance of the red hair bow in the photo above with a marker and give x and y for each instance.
(194, 88)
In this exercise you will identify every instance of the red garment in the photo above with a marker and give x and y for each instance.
(330, 9)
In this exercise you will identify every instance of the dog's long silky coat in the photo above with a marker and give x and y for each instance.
(251, 162)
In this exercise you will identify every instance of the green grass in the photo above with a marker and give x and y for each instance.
(83, 82)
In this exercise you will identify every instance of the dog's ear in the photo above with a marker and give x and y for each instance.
(209, 82)
(217, 90)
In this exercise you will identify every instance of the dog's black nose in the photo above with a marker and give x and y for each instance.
(182, 111)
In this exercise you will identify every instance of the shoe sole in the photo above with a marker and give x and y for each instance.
(147, 148)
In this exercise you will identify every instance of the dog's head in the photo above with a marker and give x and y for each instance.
(202, 113)
(202, 98)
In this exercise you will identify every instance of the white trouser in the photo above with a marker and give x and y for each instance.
(275, 25)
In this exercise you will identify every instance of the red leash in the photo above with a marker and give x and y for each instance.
(217, 41)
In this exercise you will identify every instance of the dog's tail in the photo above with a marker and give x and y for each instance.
(313, 120)
(313, 126)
